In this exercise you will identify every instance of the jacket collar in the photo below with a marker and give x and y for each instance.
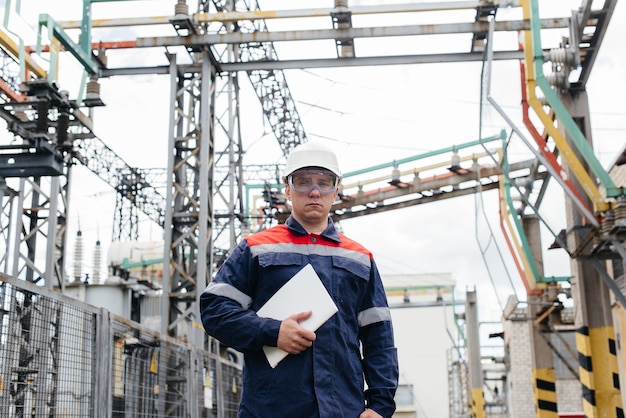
(330, 233)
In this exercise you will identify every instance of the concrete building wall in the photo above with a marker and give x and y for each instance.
(423, 344)
(520, 381)
(569, 396)
(618, 170)
(517, 342)
(568, 387)
(423, 320)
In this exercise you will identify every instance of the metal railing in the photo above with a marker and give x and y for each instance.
(60, 357)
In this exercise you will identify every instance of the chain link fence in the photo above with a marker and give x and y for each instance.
(60, 357)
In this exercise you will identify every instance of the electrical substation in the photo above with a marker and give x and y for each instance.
(129, 342)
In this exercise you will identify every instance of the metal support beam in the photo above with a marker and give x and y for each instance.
(477, 402)
(39, 245)
(7, 215)
(192, 41)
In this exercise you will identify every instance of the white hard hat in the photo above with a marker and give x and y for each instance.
(312, 154)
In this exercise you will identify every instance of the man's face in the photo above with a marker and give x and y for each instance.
(312, 193)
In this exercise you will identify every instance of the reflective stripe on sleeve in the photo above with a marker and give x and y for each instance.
(230, 292)
(374, 315)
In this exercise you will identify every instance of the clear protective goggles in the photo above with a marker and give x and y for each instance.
(303, 181)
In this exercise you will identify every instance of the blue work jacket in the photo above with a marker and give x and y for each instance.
(354, 346)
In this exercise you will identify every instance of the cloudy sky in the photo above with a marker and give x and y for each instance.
(370, 116)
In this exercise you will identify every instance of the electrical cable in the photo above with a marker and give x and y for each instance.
(479, 201)
(492, 239)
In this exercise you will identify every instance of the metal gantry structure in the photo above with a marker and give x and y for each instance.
(200, 198)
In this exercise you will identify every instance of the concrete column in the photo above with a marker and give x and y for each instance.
(477, 401)
(540, 307)
(595, 336)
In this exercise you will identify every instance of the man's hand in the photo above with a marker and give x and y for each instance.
(292, 338)
(369, 413)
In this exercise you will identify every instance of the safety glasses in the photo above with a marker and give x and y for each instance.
(305, 181)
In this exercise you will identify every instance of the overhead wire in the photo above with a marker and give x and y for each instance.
(315, 104)
(486, 70)
(395, 262)
(480, 209)
(479, 203)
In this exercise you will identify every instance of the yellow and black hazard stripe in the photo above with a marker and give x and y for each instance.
(599, 373)
(585, 369)
(545, 392)
(477, 403)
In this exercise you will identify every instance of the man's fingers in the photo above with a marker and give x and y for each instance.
(303, 332)
(292, 337)
(301, 316)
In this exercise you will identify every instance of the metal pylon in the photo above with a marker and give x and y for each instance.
(189, 207)
(7, 199)
(41, 223)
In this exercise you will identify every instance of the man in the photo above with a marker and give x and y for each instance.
(325, 372)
